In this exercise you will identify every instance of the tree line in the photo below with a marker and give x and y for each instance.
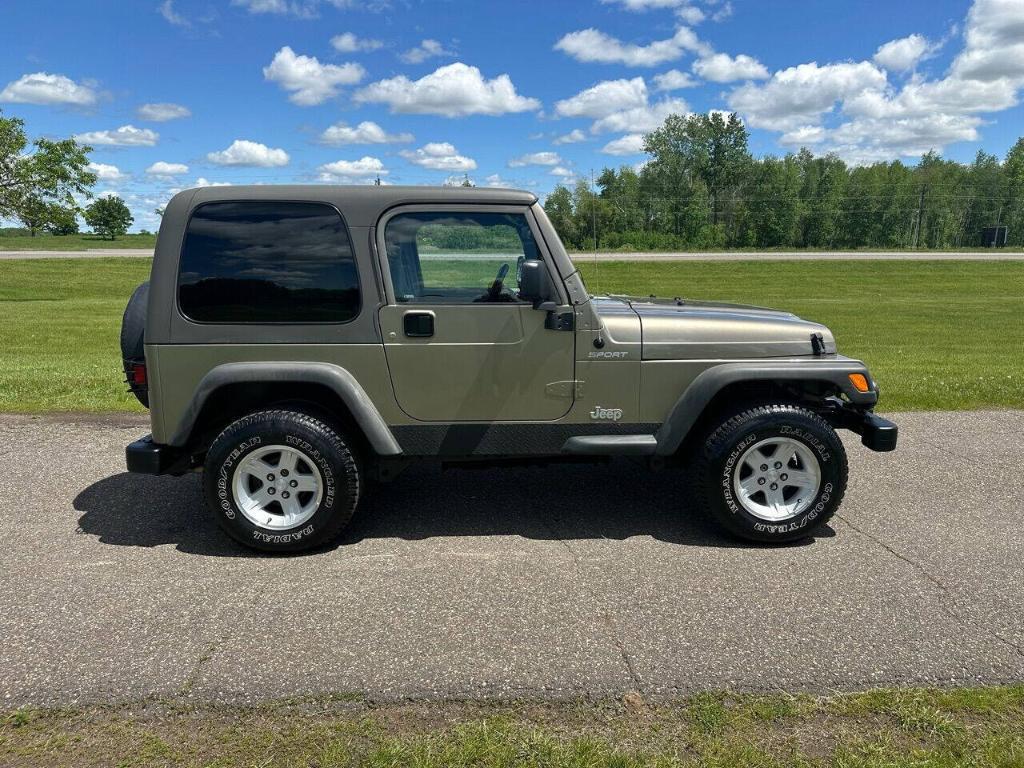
(42, 181)
(702, 188)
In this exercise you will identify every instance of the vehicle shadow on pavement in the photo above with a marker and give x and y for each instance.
(560, 502)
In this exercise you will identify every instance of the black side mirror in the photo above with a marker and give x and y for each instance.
(534, 283)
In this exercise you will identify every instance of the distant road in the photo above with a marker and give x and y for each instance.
(92, 253)
(615, 256)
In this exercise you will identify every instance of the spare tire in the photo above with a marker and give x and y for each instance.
(133, 331)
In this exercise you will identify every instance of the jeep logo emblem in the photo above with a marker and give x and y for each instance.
(606, 414)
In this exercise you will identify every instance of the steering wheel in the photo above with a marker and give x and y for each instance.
(499, 282)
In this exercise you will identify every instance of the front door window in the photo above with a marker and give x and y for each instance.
(457, 258)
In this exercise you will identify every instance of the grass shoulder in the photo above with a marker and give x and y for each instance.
(43, 242)
(934, 727)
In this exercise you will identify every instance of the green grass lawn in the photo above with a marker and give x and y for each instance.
(937, 335)
(43, 242)
(890, 728)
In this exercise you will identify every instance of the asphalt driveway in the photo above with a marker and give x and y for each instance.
(555, 582)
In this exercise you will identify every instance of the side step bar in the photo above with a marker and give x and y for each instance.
(611, 445)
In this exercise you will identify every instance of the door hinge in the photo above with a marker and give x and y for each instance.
(560, 321)
(572, 388)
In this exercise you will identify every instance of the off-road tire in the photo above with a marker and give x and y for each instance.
(338, 466)
(716, 461)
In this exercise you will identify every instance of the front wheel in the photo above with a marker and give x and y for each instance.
(281, 481)
(772, 473)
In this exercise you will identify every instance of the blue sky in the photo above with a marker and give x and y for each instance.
(175, 93)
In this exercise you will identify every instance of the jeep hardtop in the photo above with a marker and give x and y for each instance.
(295, 341)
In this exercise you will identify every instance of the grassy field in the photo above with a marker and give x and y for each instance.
(923, 727)
(72, 242)
(937, 335)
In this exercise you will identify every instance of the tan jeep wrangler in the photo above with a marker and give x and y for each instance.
(295, 340)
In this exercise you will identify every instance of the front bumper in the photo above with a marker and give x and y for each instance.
(149, 458)
(875, 432)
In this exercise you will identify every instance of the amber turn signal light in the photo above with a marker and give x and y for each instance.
(859, 381)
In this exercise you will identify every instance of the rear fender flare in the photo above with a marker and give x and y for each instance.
(702, 390)
(335, 378)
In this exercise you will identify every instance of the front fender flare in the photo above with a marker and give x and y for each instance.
(710, 382)
(335, 378)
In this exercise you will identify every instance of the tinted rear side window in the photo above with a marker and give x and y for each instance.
(266, 262)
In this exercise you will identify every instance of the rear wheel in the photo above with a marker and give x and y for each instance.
(282, 481)
(772, 473)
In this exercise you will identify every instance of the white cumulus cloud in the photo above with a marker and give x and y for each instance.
(161, 112)
(203, 182)
(427, 49)
(305, 9)
(640, 119)
(494, 180)
(800, 95)
(106, 172)
(674, 80)
(452, 91)
(592, 45)
(439, 156)
(575, 136)
(249, 153)
(308, 81)
(630, 144)
(347, 42)
(125, 136)
(604, 98)
(535, 158)
(901, 55)
(346, 170)
(162, 168)
(367, 132)
(804, 135)
(723, 68)
(44, 88)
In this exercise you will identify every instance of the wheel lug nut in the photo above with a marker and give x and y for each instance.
(774, 486)
(784, 476)
(270, 478)
(764, 467)
(293, 483)
(760, 481)
(778, 465)
(284, 473)
(285, 494)
(271, 491)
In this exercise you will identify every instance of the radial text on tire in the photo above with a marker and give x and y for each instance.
(771, 473)
(282, 481)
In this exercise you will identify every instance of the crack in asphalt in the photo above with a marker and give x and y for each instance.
(965, 621)
(203, 660)
(603, 615)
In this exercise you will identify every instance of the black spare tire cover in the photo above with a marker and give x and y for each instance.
(133, 330)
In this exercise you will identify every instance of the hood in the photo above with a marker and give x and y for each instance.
(679, 329)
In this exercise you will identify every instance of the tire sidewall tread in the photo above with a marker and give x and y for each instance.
(339, 469)
(717, 461)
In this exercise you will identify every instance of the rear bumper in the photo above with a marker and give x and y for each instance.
(876, 433)
(149, 458)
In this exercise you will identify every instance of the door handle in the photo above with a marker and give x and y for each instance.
(418, 325)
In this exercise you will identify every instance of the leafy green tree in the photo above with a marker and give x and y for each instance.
(559, 208)
(108, 216)
(712, 148)
(52, 172)
(63, 221)
(32, 211)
